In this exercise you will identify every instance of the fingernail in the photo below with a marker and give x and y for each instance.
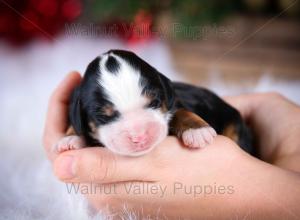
(65, 167)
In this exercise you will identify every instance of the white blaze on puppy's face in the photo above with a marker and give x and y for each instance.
(123, 87)
(138, 129)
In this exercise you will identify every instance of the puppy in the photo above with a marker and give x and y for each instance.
(129, 107)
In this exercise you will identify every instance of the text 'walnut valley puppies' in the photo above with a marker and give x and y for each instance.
(129, 107)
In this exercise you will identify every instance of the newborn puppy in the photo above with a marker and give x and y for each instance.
(129, 107)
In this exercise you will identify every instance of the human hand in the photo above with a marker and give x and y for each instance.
(275, 122)
(223, 164)
(56, 124)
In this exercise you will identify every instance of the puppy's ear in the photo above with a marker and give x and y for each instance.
(75, 114)
(168, 90)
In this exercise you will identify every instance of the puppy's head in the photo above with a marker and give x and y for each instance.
(123, 103)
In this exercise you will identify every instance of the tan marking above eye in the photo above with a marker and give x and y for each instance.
(149, 98)
(108, 110)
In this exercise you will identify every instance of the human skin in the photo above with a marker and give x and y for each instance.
(261, 190)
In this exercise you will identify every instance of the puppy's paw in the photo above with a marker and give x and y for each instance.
(199, 137)
(69, 143)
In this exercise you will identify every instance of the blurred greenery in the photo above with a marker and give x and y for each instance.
(187, 12)
(198, 12)
(191, 12)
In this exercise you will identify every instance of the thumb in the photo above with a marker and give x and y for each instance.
(99, 165)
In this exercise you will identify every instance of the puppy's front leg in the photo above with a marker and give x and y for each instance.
(70, 142)
(191, 129)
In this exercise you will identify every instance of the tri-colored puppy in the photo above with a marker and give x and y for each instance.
(129, 107)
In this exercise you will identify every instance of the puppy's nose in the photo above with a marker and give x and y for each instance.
(141, 138)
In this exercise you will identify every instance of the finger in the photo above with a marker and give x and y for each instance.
(99, 165)
(245, 103)
(57, 115)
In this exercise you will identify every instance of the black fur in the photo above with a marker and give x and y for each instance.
(214, 111)
(75, 113)
(112, 64)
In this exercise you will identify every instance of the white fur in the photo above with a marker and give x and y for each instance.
(123, 89)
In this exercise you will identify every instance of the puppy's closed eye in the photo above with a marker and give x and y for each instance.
(104, 114)
(154, 98)
(154, 103)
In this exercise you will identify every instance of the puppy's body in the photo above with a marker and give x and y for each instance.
(222, 117)
(125, 104)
